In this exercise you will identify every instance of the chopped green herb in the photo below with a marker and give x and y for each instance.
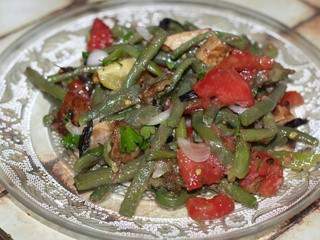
(70, 141)
(130, 139)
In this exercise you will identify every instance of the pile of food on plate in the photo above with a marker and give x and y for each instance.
(179, 111)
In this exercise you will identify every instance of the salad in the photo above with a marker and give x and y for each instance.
(179, 111)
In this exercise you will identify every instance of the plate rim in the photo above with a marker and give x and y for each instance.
(313, 54)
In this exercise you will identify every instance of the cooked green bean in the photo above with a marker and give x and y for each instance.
(100, 193)
(78, 71)
(38, 81)
(98, 96)
(93, 179)
(225, 115)
(171, 26)
(180, 70)
(145, 57)
(170, 200)
(129, 35)
(107, 158)
(181, 130)
(88, 160)
(209, 136)
(210, 114)
(114, 103)
(297, 161)
(189, 44)
(239, 42)
(239, 194)
(164, 154)
(226, 131)
(263, 107)
(240, 166)
(189, 26)
(140, 182)
(257, 134)
(127, 49)
(299, 136)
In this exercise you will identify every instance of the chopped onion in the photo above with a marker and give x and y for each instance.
(74, 129)
(160, 169)
(197, 152)
(159, 118)
(143, 31)
(95, 57)
(237, 109)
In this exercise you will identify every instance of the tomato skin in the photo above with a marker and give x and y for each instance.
(197, 174)
(240, 61)
(265, 175)
(200, 209)
(292, 99)
(100, 36)
(227, 85)
(76, 101)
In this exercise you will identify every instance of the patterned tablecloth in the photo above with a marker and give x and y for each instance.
(17, 16)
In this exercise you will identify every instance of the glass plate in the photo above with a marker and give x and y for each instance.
(37, 171)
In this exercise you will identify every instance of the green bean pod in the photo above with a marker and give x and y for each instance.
(114, 103)
(239, 194)
(88, 160)
(209, 136)
(144, 58)
(178, 52)
(100, 193)
(240, 166)
(296, 135)
(49, 88)
(257, 134)
(263, 107)
(93, 179)
(69, 75)
(170, 200)
(225, 115)
(181, 130)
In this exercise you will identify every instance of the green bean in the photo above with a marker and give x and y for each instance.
(297, 161)
(209, 136)
(225, 115)
(257, 134)
(127, 49)
(88, 160)
(170, 200)
(171, 26)
(239, 194)
(269, 123)
(100, 193)
(98, 96)
(144, 58)
(185, 85)
(78, 71)
(240, 166)
(226, 131)
(164, 59)
(93, 179)
(104, 176)
(263, 107)
(38, 81)
(140, 182)
(189, 44)
(114, 103)
(181, 68)
(296, 135)
(129, 35)
(280, 140)
(181, 130)
(210, 114)
(239, 42)
(164, 154)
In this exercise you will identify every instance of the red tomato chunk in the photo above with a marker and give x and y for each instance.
(100, 36)
(197, 174)
(207, 209)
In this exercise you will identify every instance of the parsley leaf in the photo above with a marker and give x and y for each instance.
(70, 141)
(130, 139)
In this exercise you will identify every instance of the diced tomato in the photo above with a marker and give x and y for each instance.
(227, 85)
(206, 209)
(292, 99)
(75, 103)
(240, 61)
(265, 175)
(100, 36)
(197, 174)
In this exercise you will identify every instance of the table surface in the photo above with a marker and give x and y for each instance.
(17, 16)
